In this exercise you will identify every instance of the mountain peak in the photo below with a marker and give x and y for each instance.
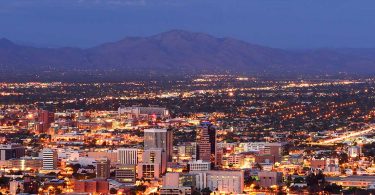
(183, 52)
(182, 34)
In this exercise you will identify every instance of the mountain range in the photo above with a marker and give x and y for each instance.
(179, 52)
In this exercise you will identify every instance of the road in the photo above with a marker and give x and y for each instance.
(347, 136)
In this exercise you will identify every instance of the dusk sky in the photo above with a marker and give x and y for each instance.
(275, 23)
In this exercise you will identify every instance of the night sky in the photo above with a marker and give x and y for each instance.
(275, 23)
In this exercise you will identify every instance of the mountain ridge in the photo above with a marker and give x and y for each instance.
(179, 52)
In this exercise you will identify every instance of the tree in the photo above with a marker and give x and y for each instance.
(333, 188)
(312, 182)
(206, 191)
(258, 166)
(343, 158)
(113, 191)
(249, 180)
(4, 181)
(18, 189)
(315, 182)
(298, 180)
(321, 178)
(289, 180)
(58, 191)
(139, 189)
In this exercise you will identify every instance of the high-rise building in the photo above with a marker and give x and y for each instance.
(9, 151)
(103, 167)
(206, 143)
(187, 150)
(153, 165)
(127, 156)
(159, 138)
(49, 159)
(126, 173)
(45, 119)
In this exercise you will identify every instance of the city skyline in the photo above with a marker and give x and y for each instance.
(187, 97)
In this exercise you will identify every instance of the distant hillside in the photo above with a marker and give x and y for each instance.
(180, 52)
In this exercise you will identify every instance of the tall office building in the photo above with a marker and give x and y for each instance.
(49, 159)
(9, 151)
(127, 156)
(103, 167)
(159, 138)
(206, 143)
(45, 118)
(153, 165)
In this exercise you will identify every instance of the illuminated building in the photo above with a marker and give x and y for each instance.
(159, 138)
(127, 156)
(103, 167)
(269, 178)
(49, 159)
(109, 154)
(179, 190)
(332, 166)
(235, 160)
(45, 119)
(354, 151)
(187, 151)
(221, 181)
(318, 164)
(267, 148)
(91, 186)
(153, 164)
(148, 171)
(126, 173)
(137, 112)
(68, 154)
(206, 143)
(171, 179)
(25, 163)
(199, 165)
(9, 151)
(353, 181)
